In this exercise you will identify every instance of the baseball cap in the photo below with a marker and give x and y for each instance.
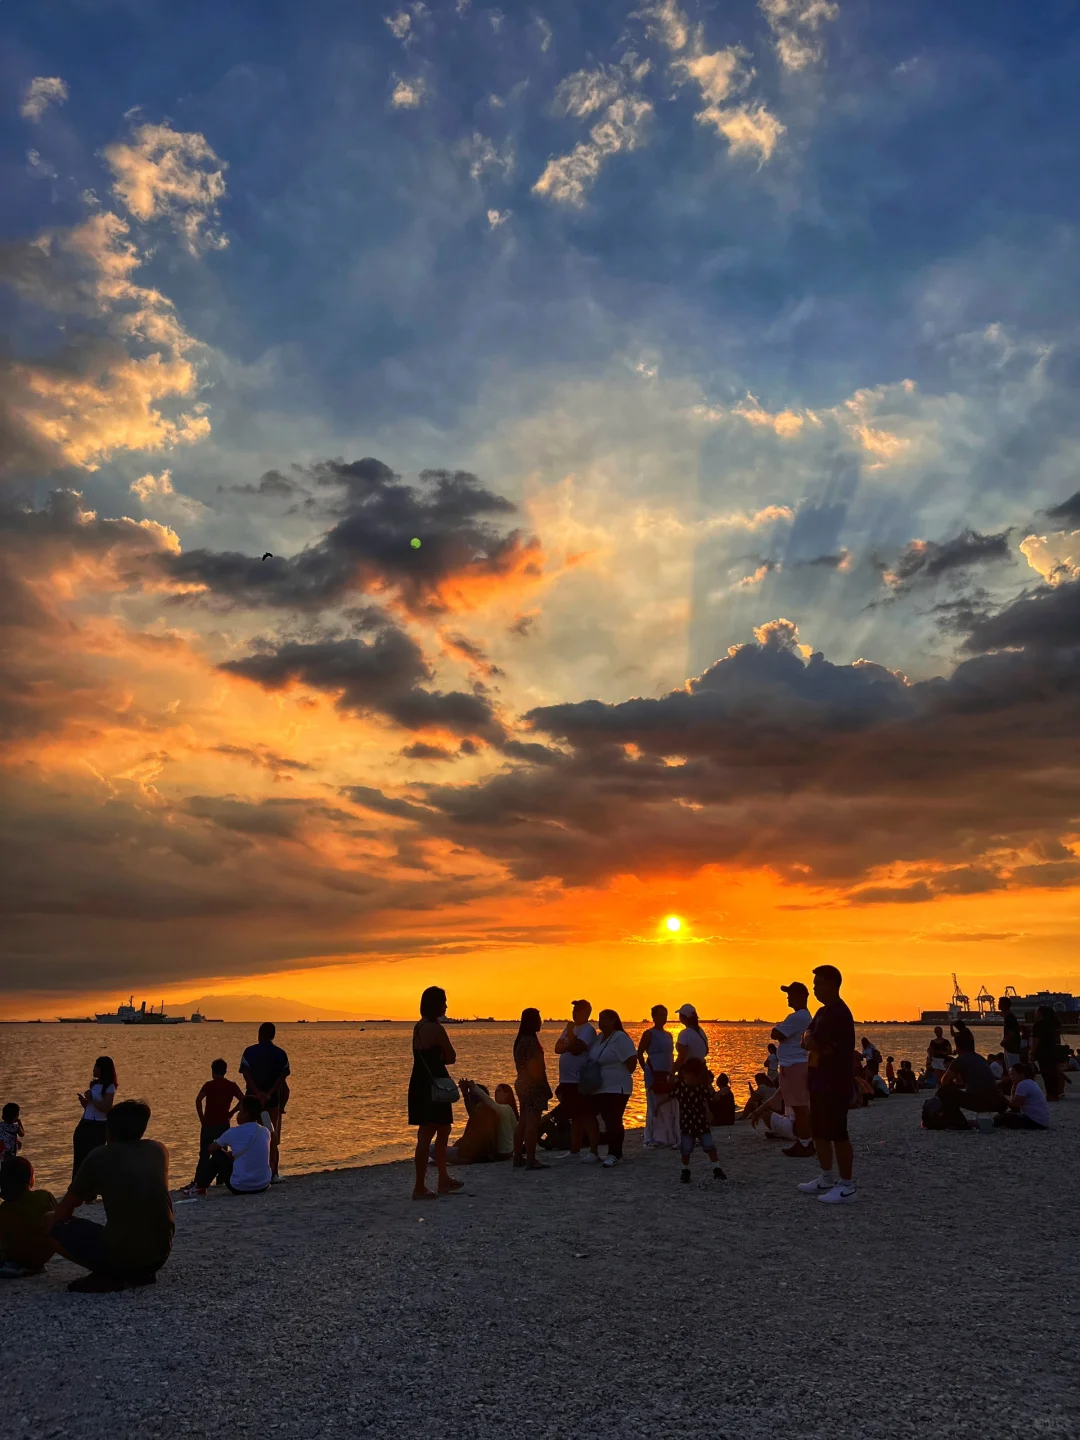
(795, 985)
(685, 1010)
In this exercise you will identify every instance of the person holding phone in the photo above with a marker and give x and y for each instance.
(96, 1102)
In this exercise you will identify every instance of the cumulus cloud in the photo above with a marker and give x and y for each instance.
(151, 489)
(719, 77)
(1056, 557)
(40, 93)
(795, 26)
(495, 218)
(162, 173)
(114, 384)
(465, 554)
(930, 559)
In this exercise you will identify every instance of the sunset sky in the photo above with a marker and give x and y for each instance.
(723, 361)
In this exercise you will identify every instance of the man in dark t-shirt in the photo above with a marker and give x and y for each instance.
(132, 1177)
(831, 1077)
(1011, 1040)
(968, 1084)
(265, 1068)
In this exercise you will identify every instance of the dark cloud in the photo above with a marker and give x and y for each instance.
(421, 750)
(65, 525)
(930, 559)
(1068, 512)
(380, 676)
(267, 759)
(823, 772)
(273, 484)
(460, 526)
(1045, 619)
(369, 798)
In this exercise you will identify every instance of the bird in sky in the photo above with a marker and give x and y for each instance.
(267, 555)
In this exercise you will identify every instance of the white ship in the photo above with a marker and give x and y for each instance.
(122, 1015)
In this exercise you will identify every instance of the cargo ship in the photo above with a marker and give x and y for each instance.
(986, 1012)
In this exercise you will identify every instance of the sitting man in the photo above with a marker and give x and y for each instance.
(132, 1177)
(721, 1102)
(1027, 1107)
(240, 1156)
(489, 1130)
(907, 1082)
(25, 1217)
(968, 1084)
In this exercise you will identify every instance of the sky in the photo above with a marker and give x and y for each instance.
(476, 483)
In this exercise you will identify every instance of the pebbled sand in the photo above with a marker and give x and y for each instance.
(944, 1302)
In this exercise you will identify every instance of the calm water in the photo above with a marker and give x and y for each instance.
(348, 1085)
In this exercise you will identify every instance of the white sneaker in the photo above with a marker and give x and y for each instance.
(590, 1159)
(843, 1194)
(818, 1185)
(610, 1161)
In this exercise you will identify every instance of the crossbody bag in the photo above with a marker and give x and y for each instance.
(443, 1089)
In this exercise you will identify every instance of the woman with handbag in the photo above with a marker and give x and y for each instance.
(432, 1094)
(533, 1090)
(656, 1054)
(615, 1055)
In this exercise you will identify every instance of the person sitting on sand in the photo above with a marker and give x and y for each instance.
(907, 1082)
(938, 1054)
(721, 1102)
(489, 1130)
(131, 1174)
(967, 1084)
(11, 1133)
(761, 1092)
(241, 1155)
(1027, 1107)
(533, 1090)
(690, 1090)
(429, 1110)
(25, 1218)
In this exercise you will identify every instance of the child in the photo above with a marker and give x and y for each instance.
(772, 1065)
(691, 1091)
(890, 1073)
(722, 1102)
(11, 1133)
(216, 1104)
(25, 1242)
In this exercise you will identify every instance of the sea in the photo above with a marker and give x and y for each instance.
(348, 1083)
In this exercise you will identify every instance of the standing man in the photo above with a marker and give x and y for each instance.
(265, 1068)
(1011, 1041)
(938, 1054)
(572, 1048)
(794, 1067)
(830, 1039)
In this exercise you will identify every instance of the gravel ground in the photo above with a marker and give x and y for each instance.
(589, 1302)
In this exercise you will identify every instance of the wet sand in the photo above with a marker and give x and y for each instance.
(587, 1302)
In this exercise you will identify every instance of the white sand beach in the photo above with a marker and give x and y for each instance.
(593, 1302)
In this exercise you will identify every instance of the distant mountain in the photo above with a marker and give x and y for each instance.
(257, 1008)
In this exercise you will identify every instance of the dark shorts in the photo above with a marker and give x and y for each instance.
(828, 1116)
(578, 1106)
(84, 1242)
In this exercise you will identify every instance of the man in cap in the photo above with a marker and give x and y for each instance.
(794, 1067)
(830, 1039)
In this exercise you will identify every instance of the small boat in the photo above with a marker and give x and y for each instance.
(75, 1019)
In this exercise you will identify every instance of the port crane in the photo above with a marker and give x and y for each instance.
(986, 1003)
(959, 999)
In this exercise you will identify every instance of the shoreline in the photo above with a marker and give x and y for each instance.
(618, 1302)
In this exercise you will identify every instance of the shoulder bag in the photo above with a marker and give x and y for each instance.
(443, 1089)
(592, 1074)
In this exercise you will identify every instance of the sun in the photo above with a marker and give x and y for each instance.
(673, 924)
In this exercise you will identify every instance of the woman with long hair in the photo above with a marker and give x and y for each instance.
(616, 1055)
(692, 1042)
(533, 1090)
(434, 1117)
(96, 1103)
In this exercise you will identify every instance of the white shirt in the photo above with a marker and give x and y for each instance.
(1033, 1102)
(789, 1051)
(660, 1049)
(250, 1146)
(996, 1070)
(97, 1093)
(695, 1043)
(611, 1054)
(569, 1063)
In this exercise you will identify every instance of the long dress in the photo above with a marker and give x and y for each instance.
(661, 1111)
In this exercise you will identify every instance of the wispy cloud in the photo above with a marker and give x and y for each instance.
(795, 25)
(408, 94)
(40, 93)
(622, 126)
(162, 173)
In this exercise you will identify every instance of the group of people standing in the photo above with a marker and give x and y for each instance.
(815, 1059)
